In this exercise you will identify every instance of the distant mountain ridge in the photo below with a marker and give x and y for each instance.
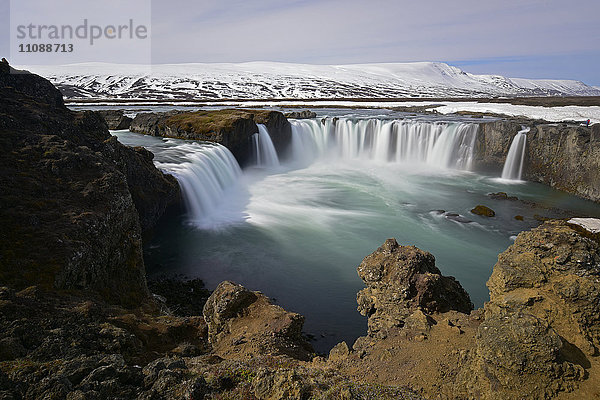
(271, 80)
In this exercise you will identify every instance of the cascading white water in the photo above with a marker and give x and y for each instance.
(265, 154)
(444, 145)
(206, 173)
(513, 166)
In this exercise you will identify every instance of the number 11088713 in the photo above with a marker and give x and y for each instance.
(46, 48)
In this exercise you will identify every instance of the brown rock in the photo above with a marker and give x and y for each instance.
(245, 323)
(542, 323)
(339, 352)
(401, 280)
(483, 211)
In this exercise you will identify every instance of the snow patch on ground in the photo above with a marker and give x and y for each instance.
(589, 224)
(551, 114)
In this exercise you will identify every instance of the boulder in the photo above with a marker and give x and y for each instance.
(401, 280)
(502, 196)
(242, 322)
(484, 211)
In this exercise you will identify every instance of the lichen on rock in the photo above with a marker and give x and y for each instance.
(401, 280)
(542, 324)
(247, 324)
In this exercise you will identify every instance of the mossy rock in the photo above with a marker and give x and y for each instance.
(483, 211)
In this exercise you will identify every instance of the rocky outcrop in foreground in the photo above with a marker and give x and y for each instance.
(230, 127)
(542, 323)
(246, 324)
(72, 196)
(401, 280)
(537, 338)
(563, 156)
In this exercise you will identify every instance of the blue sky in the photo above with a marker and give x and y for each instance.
(525, 38)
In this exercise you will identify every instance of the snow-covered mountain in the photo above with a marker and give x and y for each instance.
(269, 80)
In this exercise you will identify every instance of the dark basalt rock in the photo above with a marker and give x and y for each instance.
(72, 196)
(401, 280)
(115, 119)
(230, 127)
(562, 155)
(29, 84)
(456, 218)
(148, 123)
(279, 128)
(306, 114)
(502, 196)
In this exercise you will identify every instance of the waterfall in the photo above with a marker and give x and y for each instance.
(265, 155)
(205, 173)
(513, 167)
(439, 144)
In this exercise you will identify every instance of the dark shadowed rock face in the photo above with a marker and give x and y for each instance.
(69, 218)
(115, 119)
(401, 280)
(151, 190)
(30, 84)
(247, 324)
(565, 157)
(542, 323)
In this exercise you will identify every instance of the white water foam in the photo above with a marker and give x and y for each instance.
(265, 155)
(209, 178)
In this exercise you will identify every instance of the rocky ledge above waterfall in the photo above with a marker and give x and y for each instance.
(233, 128)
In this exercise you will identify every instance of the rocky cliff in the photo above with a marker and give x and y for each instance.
(230, 127)
(564, 156)
(72, 196)
(541, 328)
(537, 338)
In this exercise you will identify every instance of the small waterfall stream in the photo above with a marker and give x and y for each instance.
(513, 166)
(265, 154)
(205, 172)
